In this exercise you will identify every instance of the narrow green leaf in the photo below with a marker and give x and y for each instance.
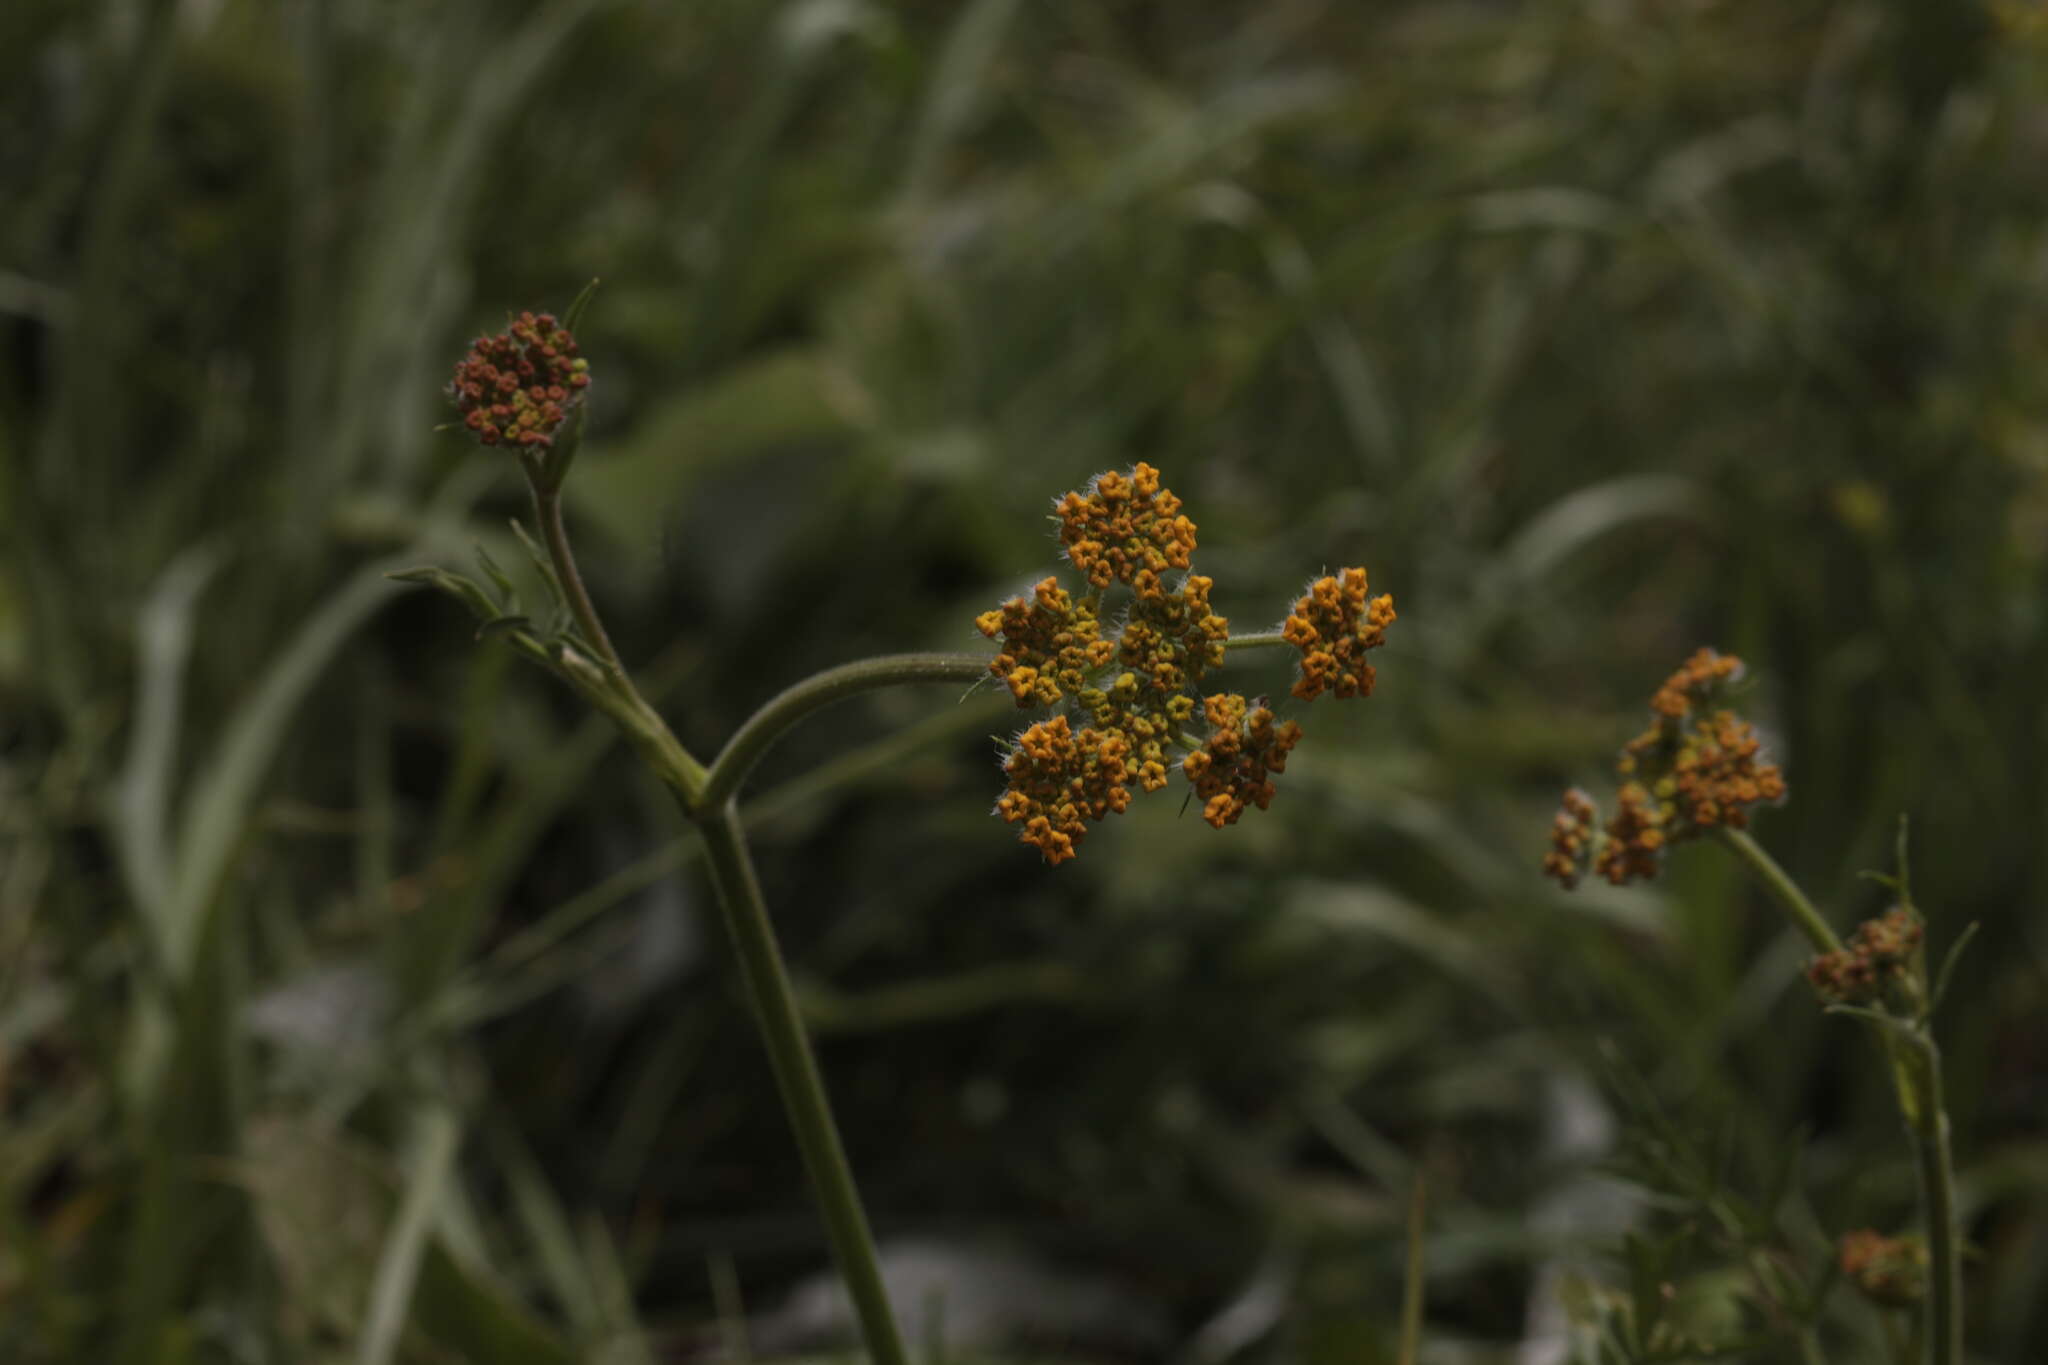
(398, 1269)
(1948, 964)
(142, 793)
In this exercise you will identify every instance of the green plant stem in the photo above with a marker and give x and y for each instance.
(1930, 1131)
(796, 1076)
(1264, 639)
(610, 688)
(547, 510)
(773, 720)
(1781, 886)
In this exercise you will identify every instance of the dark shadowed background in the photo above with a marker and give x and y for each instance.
(360, 999)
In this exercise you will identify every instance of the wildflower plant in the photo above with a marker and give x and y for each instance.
(1697, 771)
(1122, 681)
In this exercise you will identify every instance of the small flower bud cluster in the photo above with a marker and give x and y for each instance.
(518, 387)
(1572, 836)
(1333, 626)
(1126, 530)
(1889, 1271)
(1050, 644)
(1230, 770)
(1693, 770)
(1882, 952)
(1059, 781)
(1133, 696)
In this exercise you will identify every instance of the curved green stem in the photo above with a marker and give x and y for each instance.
(773, 720)
(796, 1076)
(1783, 889)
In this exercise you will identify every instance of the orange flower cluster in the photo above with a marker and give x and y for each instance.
(1059, 781)
(1694, 682)
(1232, 768)
(1333, 626)
(1693, 770)
(1050, 644)
(517, 388)
(1881, 952)
(1133, 698)
(1126, 530)
(1889, 1271)
(1571, 838)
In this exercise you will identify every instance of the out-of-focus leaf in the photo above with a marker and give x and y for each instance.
(631, 489)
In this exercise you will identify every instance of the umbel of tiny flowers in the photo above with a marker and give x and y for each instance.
(523, 388)
(1693, 770)
(1883, 962)
(1124, 704)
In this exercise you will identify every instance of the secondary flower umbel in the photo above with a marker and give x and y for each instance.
(1691, 771)
(1133, 696)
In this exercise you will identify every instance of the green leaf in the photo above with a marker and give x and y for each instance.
(508, 596)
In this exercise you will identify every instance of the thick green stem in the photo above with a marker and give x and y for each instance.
(1938, 1202)
(1783, 889)
(1265, 639)
(796, 1076)
(774, 719)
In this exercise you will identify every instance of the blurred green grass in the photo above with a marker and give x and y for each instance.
(1596, 331)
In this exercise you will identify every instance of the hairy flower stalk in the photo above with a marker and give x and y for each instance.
(1126, 705)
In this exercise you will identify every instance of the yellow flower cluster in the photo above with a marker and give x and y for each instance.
(1693, 770)
(1133, 697)
(1126, 529)
(1231, 769)
(1881, 952)
(1333, 625)
(1171, 639)
(1059, 781)
(1050, 644)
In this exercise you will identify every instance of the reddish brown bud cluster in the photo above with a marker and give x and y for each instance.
(518, 387)
(1882, 952)
(1691, 771)
(1889, 1271)
(1231, 769)
(1134, 697)
(1333, 626)
(1126, 530)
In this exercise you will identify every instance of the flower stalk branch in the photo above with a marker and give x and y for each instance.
(1783, 889)
(762, 729)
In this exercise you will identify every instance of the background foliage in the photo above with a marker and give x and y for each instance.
(358, 1000)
